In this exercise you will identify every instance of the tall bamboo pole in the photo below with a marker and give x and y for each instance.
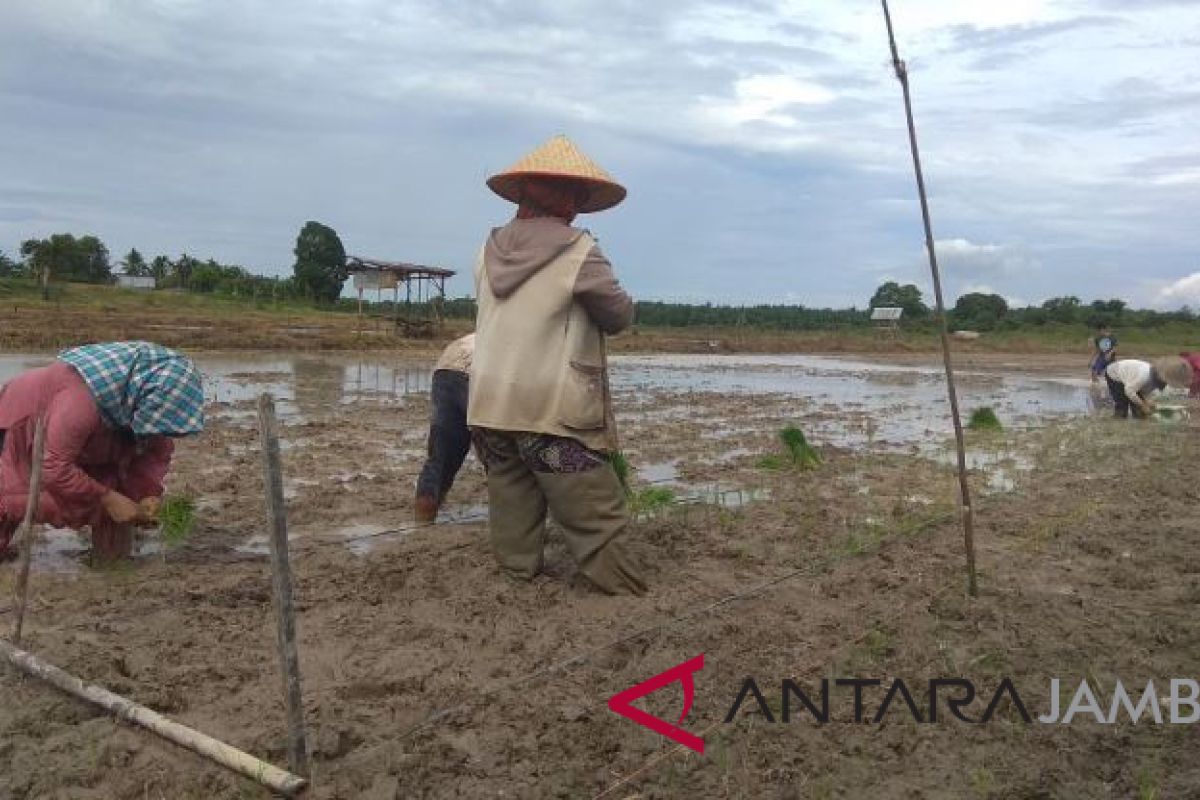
(968, 514)
(29, 526)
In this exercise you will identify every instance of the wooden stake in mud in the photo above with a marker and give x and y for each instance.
(231, 758)
(968, 515)
(281, 578)
(28, 527)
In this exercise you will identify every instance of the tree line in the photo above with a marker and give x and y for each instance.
(973, 311)
(318, 273)
(983, 311)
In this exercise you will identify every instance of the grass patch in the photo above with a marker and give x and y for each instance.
(771, 462)
(877, 644)
(984, 419)
(176, 518)
(1147, 787)
(652, 498)
(867, 540)
(983, 782)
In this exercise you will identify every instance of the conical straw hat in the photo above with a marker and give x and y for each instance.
(559, 158)
(1174, 371)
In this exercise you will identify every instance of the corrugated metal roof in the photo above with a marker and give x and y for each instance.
(359, 264)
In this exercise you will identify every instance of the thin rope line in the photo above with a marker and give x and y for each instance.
(651, 763)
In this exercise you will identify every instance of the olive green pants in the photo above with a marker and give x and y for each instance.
(589, 505)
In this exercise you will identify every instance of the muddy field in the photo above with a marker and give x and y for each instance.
(427, 674)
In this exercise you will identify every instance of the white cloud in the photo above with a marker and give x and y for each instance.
(765, 98)
(1185, 291)
(1186, 176)
(983, 288)
(967, 259)
(765, 112)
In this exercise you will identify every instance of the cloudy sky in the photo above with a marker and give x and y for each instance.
(762, 141)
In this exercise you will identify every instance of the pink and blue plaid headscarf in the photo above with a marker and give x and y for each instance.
(142, 387)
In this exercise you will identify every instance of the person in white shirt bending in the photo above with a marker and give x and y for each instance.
(1131, 382)
(449, 438)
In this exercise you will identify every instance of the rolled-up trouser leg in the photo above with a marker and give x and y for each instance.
(590, 507)
(516, 508)
(457, 442)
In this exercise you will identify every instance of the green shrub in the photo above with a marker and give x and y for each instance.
(984, 419)
(799, 451)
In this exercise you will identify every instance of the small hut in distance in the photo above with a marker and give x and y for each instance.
(424, 291)
(886, 319)
(142, 282)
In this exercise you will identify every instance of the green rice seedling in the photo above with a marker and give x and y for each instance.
(176, 516)
(802, 454)
(984, 419)
(620, 465)
(1147, 787)
(983, 783)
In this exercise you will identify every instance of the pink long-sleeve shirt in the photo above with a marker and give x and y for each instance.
(1194, 360)
(84, 457)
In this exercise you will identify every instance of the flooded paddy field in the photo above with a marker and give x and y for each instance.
(427, 674)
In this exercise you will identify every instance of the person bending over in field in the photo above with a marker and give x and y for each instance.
(112, 413)
(1193, 360)
(1132, 383)
(449, 437)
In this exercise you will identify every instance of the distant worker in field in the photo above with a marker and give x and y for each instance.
(539, 407)
(1132, 382)
(1193, 360)
(1104, 350)
(112, 414)
(449, 438)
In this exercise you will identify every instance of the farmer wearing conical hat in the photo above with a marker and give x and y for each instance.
(1132, 382)
(538, 404)
(112, 414)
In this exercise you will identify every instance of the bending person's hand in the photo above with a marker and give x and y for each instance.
(150, 506)
(121, 509)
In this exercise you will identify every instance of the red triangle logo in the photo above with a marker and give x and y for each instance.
(622, 702)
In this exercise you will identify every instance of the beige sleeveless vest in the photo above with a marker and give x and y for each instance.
(538, 365)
